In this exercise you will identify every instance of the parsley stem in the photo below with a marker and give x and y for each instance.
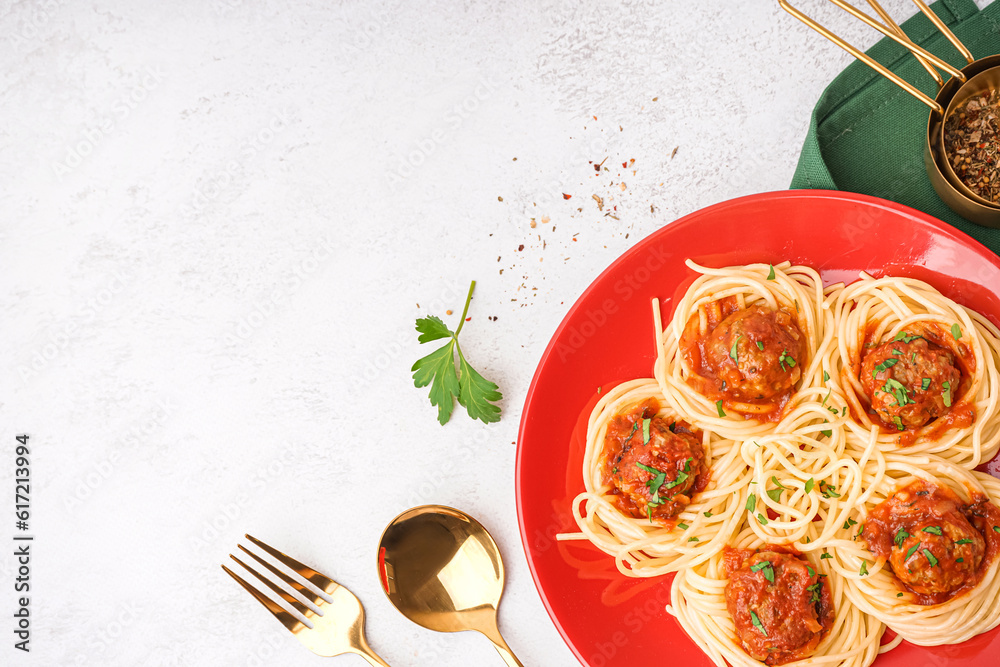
(465, 311)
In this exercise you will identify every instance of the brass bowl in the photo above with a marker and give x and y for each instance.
(981, 75)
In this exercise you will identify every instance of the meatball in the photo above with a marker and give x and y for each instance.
(757, 352)
(780, 607)
(658, 478)
(935, 549)
(909, 383)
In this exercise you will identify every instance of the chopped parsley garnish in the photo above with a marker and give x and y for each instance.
(751, 503)
(635, 427)
(896, 350)
(718, 406)
(756, 623)
(707, 514)
(645, 431)
(912, 551)
(827, 432)
(825, 556)
(448, 382)
(765, 566)
(959, 560)
(849, 523)
(682, 475)
(826, 376)
(900, 537)
(760, 345)
(654, 484)
(734, 354)
(963, 541)
(692, 539)
(812, 572)
(810, 483)
(913, 358)
(826, 398)
(996, 529)
(770, 273)
(673, 427)
(683, 526)
(956, 331)
(933, 530)
(762, 519)
(899, 595)
(930, 557)
(899, 392)
(903, 336)
(815, 591)
(898, 422)
(828, 490)
(775, 494)
(925, 384)
(864, 569)
(786, 358)
(884, 366)
(946, 385)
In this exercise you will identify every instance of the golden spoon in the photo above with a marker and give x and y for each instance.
(442, 570)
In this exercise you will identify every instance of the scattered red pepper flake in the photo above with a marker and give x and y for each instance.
(566, 196)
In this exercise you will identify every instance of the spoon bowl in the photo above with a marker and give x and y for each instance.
(441, 569)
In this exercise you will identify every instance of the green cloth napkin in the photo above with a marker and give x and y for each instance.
(867, 135)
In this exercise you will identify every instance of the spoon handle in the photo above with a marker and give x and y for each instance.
(505, 652)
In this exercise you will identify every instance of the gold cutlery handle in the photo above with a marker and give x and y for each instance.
(372, 657)
(924, 55)
(504, 650)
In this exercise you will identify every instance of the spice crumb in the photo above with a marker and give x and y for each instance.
(447, 312)
(545, 219)
(600, 202)
(499, 198)
(520, 247)
(672, 154)
(533, 224)
(566, 196)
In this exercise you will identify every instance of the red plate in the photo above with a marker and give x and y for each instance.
(607, 337)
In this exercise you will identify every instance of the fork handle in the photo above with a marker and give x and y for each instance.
(366, 652)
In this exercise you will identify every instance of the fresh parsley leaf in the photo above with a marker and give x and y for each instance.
(849, 523)
(898, 390)
(762, 519)
(964, 540)
(760, 345)
(864, 568)
(770, 273)
(996, 529)
(925, 383)
(912, 551)
(900, 537)
(933, 530)
(810, 483)
(707, 514)
(902, 335)
(765, 567)
(815, 591)
(718, 406)
(812, 572)
(946, 385)
(734, 353)
(786, 358)
(828, 490)
(898, 422)
(886, 365)
(930, 557)
(756, 623)
(959, 560)
(683, 526)
(826, 376)
(751, 503)
(654, 483)
(956, 331)
(474, 392)
(899, 595)
(645, 431)
(692, 539)
(825, 556)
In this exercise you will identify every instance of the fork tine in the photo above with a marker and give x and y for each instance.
(316, 578)
(287, 619)
(302, 590)
(287, 597)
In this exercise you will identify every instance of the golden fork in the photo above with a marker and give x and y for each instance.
(337, 616)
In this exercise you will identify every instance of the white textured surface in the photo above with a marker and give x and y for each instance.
(218, 219)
